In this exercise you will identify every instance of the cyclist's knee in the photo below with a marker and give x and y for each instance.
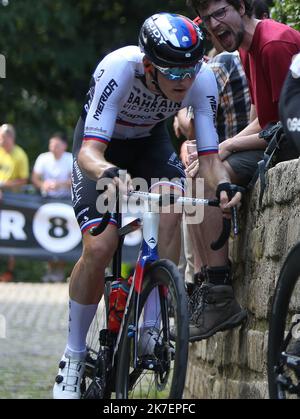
(99, 250)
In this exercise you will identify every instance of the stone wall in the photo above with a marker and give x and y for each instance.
(232, 364)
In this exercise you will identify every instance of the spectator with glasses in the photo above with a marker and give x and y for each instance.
(266, 48)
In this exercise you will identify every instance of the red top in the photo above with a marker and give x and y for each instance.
(266, 65)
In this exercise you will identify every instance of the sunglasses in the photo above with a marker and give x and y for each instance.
(179, 73)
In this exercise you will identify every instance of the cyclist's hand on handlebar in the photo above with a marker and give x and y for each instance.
(113, 179)
(229, 196)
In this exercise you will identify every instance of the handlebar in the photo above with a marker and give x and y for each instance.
(167, 199)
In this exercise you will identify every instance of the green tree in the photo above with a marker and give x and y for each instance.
(287, 11)
(51, 48)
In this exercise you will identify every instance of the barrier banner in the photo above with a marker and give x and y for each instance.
(40, 228)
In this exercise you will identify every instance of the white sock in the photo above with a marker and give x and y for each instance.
(80, 319)
(152, 310)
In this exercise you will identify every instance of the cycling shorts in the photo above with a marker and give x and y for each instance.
(152, 158)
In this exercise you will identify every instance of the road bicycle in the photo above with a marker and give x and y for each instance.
(115, 365)
(283, 357)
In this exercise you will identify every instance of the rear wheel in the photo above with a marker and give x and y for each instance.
(161, 374)
(284, 332)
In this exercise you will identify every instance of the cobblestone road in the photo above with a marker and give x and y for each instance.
(35, 316)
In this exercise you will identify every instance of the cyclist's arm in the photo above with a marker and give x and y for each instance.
(113, 76)
(91, 159)
(214, 172)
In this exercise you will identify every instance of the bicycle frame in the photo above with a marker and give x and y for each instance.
(148, 253)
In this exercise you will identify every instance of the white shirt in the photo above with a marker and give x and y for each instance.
(48, 168)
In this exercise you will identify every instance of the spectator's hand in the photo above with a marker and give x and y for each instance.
(184, 156)
(225, 149)
(176, 127)
(229, 196)
(48, 186)
(193, 168)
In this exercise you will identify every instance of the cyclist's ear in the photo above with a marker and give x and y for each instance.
(147, 65)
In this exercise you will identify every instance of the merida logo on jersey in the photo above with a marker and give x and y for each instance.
(108, 90)
(213, 104)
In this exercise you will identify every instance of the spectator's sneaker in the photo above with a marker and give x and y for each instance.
(7, 277)
(68, 380)
(148, 340)
(217, 311)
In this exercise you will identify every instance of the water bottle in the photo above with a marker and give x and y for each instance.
(117, 302)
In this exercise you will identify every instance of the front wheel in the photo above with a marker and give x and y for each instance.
(162, 373)
(284, 332)
(93, 385)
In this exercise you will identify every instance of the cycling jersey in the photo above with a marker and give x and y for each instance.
(119, 105)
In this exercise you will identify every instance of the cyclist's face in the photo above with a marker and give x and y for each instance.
(224, 22)
(174, 90)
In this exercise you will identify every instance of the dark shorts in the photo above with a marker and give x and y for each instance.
(152, 158)
(244, 164)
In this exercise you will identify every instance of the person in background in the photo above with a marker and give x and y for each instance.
(266, 48)
(261, 9)
(52, 170)
(232, 116)
(14, 173)
(51, 175)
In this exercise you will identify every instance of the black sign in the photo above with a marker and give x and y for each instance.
(39, 228)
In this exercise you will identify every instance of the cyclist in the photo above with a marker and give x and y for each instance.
(266, 48)
(132, 92)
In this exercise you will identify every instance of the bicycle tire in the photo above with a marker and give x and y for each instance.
(281, 313)
(92, 383)
(132, 382)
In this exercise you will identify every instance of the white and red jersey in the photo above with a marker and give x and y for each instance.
(119, 104)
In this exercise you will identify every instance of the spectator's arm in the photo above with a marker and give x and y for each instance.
(253, 113)
(10, 184)
(247, 139)
(37, 181)
(241, 143)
